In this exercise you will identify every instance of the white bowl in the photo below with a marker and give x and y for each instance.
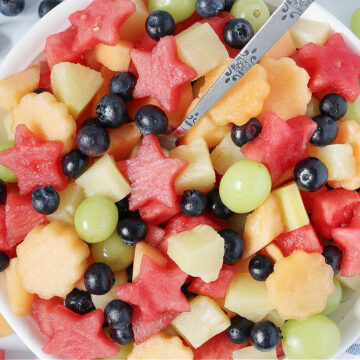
(29, 48)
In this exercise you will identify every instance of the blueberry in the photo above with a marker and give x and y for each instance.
(216, 206)
(93, 140)
(333, 257)
(265, 335)
(333, 105)
(132, 231)
(243, 134)
(260, 267)
(99, 279)
(3, 192)
(45, 200)
(47, 5)
(4, 261)
(11, 7)
(123, 84)
(90, 121)
(122, 336)
(326, 132)
(237, 33)
(79, 301)
(159, 23)
(40, 91)
(193, 203)
(118, 314)
(234, 246)
(310, 174)
(186, 292)
(111, 111)
(209, 8)
(123, 209)
(228, 4)
(150, 119)
(74, 163)
(239, 330)
(129, 272)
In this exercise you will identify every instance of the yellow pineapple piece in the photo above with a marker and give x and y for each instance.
(198, 252)
(205, 320)
(154, 254)
(70, 198)
(46, 118)
(5, 329)
(284, 47)
(248, 297)
(273, 251)
(20, 300)
(275, 318)
(199, 174)
(263, 226)
(300, 285)
(51, 259)
(14, 87)
(75, 85)
(289, 95)
(292, 207)
(8, 131)
(225, 155)
(161, 347)
(250, 352)
(350, 282)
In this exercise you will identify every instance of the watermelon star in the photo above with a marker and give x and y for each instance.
(152, 175)
(35, 162)
(161, 73)
(156, 290)
(332, 67)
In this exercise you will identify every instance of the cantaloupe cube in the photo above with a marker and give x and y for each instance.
(250, 352)
(263, 226)
(20, 300)
(103, 178)
(199, 174)
(273, 251)
(14, 87)
(205, 320)
(90, 59)
(198, 252)
(197, 85)
(47, 118)
(7, 131)
(292, 207)
(285, 47)
(51, 259)
(70, 198)
(5, 329)
(247, 297)
(144, 249)
(75, 85)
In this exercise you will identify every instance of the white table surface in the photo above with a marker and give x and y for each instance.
(12, 29)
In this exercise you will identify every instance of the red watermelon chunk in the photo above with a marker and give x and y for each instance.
(157, 213)
(183, 25)
(2, 354)
(355, 221)
(161, 73)
(154, 235)
(304, 238)
(3, 245)
(35, 162)
(281, 144)
(309, 198)
(156, 290)
(145, 42)
(215, 289)
(333, 209)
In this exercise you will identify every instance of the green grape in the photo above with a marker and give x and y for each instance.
(113, 252)
(355, 22)
(334, 300)
(96, 219)
(315, 338)
(353, 112)
(245, 186)
(313, 108)
(254, 11)
(6, 174)
(179, 9)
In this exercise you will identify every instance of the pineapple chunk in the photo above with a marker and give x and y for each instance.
(20, 300)
(350, 282)
(47, 118)
(205, 320)
(155, 255)
(161, 347)
(292, 207)
(263, 226)
(70, 198)
(273, 251)
(250, 352)
(225, 155)
(339, 160)
(198, 252)
(5, 329)
(306, 30)
(200, 47)
(75, 85)
(14, 87)
(275, 318)
(8, 131)
(199, 174)
(104, 179)
(247, 297)
(115, 58)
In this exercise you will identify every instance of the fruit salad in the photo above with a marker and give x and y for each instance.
(237, 243)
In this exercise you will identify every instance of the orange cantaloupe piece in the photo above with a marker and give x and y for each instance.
(284, 47)
(5, 329)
